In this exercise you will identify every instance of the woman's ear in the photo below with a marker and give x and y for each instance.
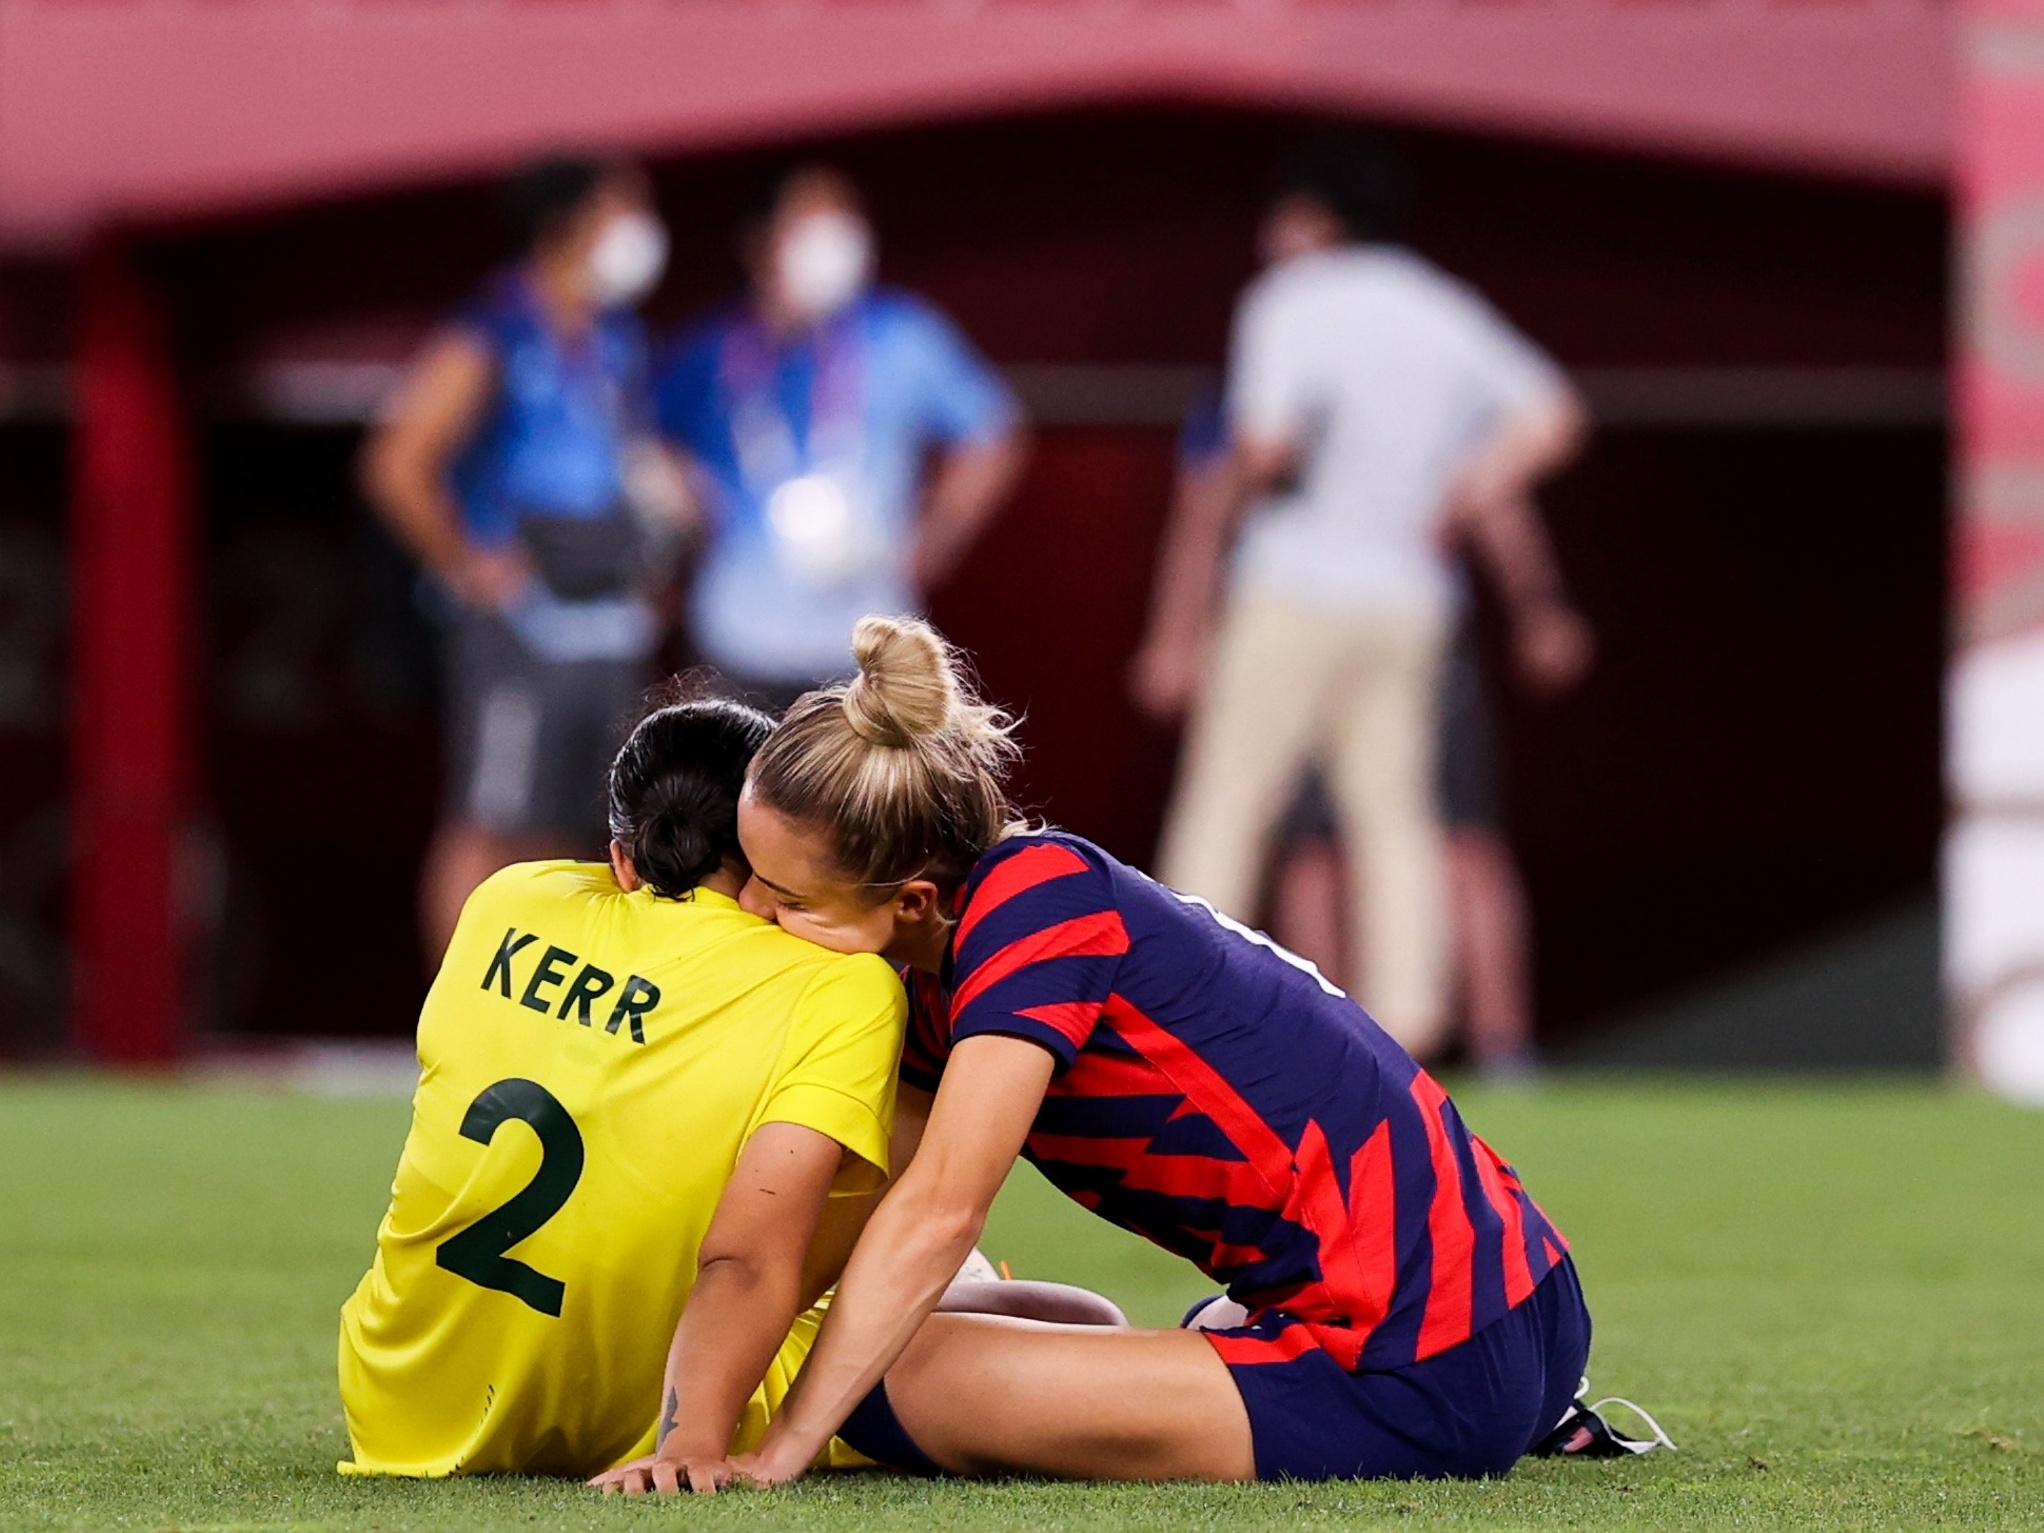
(918, 901)
(621, 868)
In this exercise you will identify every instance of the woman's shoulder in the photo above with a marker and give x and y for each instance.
(559, 878)
(1043, 842)
(1026, 859)
(833, 986)
(498, 310)
(783, 949)
(529, 897)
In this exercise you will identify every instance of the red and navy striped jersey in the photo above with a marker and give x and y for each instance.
(1216, 1095)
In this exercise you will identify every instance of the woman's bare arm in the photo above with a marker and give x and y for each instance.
(1493, 508)
(844, 1219)
(1204, 506)
(406, 459)
(970, 483)
(1528, 445)
(914, 1243)
(749, 1288)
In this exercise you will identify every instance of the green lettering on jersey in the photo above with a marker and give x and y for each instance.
(549, 972)
(638, 997)
(499, 971)
(589, 984)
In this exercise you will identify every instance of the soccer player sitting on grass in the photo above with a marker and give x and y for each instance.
(1410, 1311)
(648, 1125)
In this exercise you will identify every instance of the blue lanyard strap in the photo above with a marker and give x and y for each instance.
(769, 447)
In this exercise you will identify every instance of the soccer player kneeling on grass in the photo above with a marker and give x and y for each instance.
(1406, 1308)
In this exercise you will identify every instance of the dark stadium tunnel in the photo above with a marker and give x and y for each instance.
(1753, 764)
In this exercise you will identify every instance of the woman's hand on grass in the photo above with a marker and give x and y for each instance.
(779, 1461)
(655, 1474)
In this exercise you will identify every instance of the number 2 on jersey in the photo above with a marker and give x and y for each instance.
(477, 1253)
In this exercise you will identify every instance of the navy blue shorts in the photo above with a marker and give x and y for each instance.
(874, 1430)
(1472, 1410)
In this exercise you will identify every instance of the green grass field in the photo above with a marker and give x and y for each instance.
(1832, 1296)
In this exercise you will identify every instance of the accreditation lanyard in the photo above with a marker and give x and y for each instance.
(770, 449)
(808, 486)
(594, 375)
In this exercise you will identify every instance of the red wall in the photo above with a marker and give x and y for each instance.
(128, 108)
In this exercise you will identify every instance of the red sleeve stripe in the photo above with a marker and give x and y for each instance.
(1100, 934)
(1018, 874)
(1518, 1271)
(1073, 1019)
(1449, 1301)
(1101, 1074)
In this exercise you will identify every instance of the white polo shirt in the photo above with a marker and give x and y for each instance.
(1387, 375)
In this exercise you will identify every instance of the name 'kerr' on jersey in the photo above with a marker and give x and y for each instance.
(1216, 1095)
(592, 1063)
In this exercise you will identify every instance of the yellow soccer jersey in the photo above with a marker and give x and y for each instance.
(592, 1063)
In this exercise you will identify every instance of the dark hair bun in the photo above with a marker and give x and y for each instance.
(674, 790)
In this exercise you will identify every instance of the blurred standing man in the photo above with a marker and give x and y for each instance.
(806, 409)
(503, 466)
(1492, 941)
(1371, 398)
(1552, 649)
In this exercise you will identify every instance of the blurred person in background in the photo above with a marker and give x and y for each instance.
(517, 465)
(1491, 978)
(807, 409)
(1372, 402)
(1552, 645)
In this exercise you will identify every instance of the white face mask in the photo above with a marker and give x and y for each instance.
(823, 263)
(627, 259)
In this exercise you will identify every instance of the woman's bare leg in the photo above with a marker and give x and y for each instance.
(1027, 1299)
(983, 1395)
(1310, 907)
(1489, 903)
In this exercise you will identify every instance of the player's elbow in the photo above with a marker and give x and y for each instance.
(391, 471)
(957, 1226)
(375, 474)
(744, 1272)
(939, 1218)
(1556, 429)
(1264, 463)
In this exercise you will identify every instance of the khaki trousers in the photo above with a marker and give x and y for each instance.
(1289, 688)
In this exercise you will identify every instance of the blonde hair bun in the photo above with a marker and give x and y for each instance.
(904, 764)
(907, 686)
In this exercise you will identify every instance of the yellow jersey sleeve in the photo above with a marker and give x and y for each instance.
(842, 1059)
